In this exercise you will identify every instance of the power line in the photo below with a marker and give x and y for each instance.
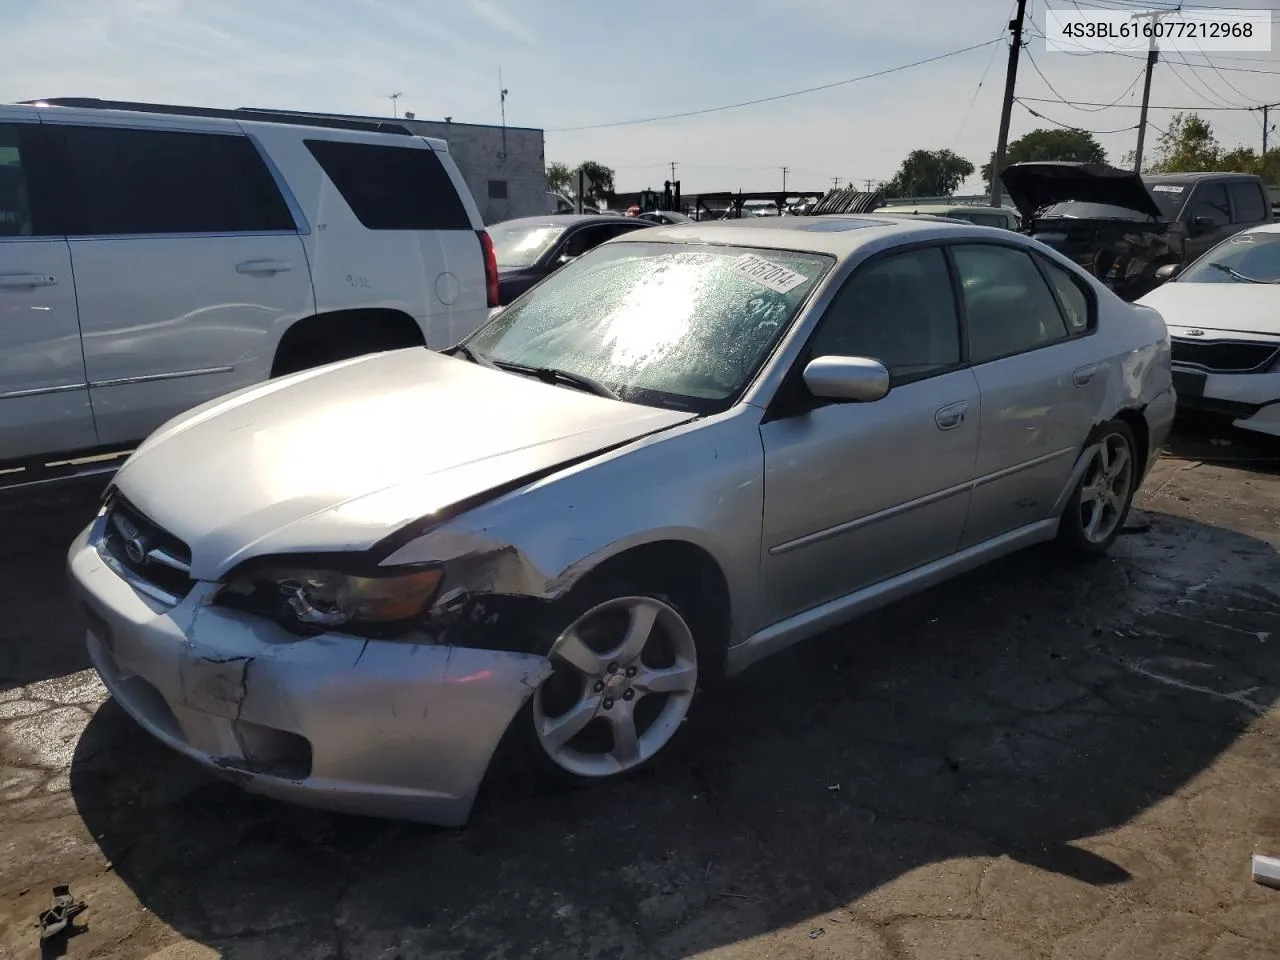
(1071, 103)
(1069, 126)
(1135, 106)
(974, 99)
(779, 96)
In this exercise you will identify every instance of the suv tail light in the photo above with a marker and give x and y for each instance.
(490, 267)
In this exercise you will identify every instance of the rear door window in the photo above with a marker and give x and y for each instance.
(133, 181)
(1248, 202)
(20, 213)
(390, 187)
(1008, 306)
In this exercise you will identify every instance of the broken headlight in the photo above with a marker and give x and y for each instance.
(319, 599)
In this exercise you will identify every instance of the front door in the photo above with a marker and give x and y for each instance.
(856, 493)
(188, 266)
(1040, 379)
(44, 399)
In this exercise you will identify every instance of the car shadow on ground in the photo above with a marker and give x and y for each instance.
(1022, 710)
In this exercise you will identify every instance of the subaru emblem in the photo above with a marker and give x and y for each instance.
(135, 550)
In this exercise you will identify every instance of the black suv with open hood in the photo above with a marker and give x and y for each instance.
(1122, 227)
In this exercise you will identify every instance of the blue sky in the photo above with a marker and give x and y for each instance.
(571, 63)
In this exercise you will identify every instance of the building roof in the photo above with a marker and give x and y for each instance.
(435, 121)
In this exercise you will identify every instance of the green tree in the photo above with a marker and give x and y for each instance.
(560, 179)
(1187, 146)
(601, 178)
(928, 173)
(1044, 144)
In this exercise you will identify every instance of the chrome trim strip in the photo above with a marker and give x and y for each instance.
(155, 377)
(968, 486)
(40, 391)
(817, 537)
(138, 584)
(72, 238)
(1019, 467)
(168, 560)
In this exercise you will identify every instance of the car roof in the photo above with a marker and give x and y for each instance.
(942, 209)
(1195, 177)
(837, 236)
(563, 219)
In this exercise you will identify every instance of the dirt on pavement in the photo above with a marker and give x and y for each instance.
(1040, 759)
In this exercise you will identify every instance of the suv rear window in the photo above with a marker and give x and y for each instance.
(392, 188)
(134, 181)
(1248, 200)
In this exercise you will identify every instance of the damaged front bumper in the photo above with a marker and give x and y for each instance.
(378, 728)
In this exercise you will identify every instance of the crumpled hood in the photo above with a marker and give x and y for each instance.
(337, 458)
(1239, 311)
(1032, 186)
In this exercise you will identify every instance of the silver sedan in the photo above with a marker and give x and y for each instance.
(687, 450)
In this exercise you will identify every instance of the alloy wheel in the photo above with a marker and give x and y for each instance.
(1105, 491)
(623, 680)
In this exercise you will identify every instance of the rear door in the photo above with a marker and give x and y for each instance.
(187, 260)
(44, 397)
(1040, 380)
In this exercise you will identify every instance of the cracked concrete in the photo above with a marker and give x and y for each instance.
(1039, 760)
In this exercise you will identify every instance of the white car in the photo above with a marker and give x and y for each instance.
(155, 257)
(1224, 323)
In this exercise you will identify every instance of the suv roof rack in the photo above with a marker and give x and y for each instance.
(241, 113)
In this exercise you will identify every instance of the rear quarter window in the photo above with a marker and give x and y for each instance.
(392, 188)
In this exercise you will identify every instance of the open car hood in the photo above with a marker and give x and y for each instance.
(1033, 186)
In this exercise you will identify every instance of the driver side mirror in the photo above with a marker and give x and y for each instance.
(565, 258)
(1168, 272)
(856, 379)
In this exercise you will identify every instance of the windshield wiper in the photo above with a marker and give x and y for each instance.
(553, 375)
(471, 355)
(1237, 274)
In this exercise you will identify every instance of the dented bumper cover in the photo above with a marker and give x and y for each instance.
(378, 728)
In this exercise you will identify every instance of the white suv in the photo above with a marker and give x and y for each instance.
(153, 257)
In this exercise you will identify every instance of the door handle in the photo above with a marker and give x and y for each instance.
(951, 416)
(264, 266)
(1083, 375)
(14, 280)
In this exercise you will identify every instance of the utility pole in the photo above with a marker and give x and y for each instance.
(1010, 79)
(784, 179)
(1266, 109)
(673, 171)
(835, 183)
(869, 182)
(393, 97)
(1153, 56)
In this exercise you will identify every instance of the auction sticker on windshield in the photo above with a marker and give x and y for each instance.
(767, 273)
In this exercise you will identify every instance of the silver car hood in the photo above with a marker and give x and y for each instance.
(335, 459)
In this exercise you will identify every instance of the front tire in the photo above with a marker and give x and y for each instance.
(1095, 514)
(625, 672)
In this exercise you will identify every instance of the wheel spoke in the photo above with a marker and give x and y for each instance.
(571, 648)
(642, 617)
(626, 742)
(1104, 458)
(1089, 492)
(1118, 464)
(679, 678)
(557, 731)
(1094, 521)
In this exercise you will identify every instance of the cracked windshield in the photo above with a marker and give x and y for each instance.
(664, 324)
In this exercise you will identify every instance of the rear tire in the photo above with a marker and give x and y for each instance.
(1095, 514)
